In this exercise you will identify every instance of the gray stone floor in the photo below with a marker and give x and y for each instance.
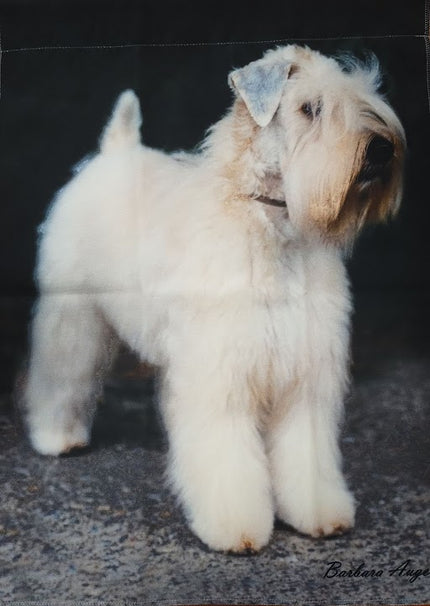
(101, 527)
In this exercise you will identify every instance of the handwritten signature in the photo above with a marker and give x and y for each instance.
(405, 569)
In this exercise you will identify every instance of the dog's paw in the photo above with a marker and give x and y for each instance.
(54, 443)
(332, 528)
(331, 513)
(335, 512)
(246, 542)
(237, 535)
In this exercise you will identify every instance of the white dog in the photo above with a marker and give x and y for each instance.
(224, 269)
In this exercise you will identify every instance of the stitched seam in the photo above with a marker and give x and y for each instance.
(1, 55)
(197, 44)
(427, 46)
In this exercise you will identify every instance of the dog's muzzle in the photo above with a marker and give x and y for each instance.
(379, 153)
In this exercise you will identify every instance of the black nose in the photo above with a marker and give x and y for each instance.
(379, 151)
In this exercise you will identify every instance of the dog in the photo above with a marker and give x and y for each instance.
(224, 268)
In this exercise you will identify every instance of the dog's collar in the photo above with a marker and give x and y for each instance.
(271, 201)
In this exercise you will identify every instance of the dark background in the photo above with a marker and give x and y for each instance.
(55, 101)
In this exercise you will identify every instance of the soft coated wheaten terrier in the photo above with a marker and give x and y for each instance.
(225, 269)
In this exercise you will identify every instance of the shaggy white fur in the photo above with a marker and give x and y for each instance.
(244, 305)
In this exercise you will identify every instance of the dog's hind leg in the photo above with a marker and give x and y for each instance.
(71, 347)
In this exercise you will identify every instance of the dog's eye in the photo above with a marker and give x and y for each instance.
(306, 109)
(311, 110)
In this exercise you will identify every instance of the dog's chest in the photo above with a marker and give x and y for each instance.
(304, 305)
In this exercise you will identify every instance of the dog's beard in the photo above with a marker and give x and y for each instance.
(342, 202)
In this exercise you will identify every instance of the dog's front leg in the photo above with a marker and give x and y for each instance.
(310, 491)
(218, 465)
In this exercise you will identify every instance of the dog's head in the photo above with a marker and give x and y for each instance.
(322, 129)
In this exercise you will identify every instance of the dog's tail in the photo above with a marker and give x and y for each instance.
(122, 130)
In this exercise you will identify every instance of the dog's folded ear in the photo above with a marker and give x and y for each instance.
(260, 84)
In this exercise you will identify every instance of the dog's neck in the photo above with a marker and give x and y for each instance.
(246, 158)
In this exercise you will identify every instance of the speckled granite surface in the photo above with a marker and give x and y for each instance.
(102, 528)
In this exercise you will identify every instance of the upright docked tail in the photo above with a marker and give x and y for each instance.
(122, 130)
